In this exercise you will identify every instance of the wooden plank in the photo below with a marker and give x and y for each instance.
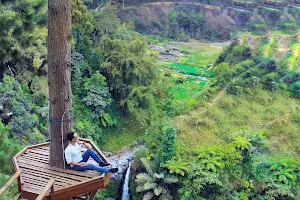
(29, 160)
(39, 152)
(71, 172)
(45, 181)
(35, 156)
(44, 160)
(10, 182)
(48, 173)
(29, 193)
(83, 187)
(46, 190)
(38, 145)
(16, 166)
(41, 174)
(48, 176)
(36, 186)
(43, 178)
(24, 163)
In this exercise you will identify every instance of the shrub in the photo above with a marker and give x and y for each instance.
(168, 144)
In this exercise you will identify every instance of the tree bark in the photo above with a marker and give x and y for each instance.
(59, 75)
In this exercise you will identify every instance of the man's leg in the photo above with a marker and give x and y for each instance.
(91, 153)
(91, 167)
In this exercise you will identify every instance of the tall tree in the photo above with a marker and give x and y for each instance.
(59, 75)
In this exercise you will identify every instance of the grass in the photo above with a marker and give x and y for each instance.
(273, 113)
(124, 135)
(186, 68)
(201, 54)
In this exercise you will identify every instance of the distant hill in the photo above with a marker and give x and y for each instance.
(220, 19)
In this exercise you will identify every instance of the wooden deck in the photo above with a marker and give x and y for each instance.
(36, 172)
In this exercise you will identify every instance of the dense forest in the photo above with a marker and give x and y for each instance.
(219, 120)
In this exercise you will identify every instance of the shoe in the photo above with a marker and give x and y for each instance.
(103, 164)
(113, 170)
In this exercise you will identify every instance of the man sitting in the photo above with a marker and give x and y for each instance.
(78, 161)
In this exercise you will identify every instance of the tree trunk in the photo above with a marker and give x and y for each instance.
(59, 75)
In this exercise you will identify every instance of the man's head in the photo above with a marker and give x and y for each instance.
(72, 136)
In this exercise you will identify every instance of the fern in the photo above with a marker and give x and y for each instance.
(177, 166)
(241, 143)
(140, 188)
(148, 196)
(159, 176)
(153, 183)
(142, 178)
(149, 186)
(158, 190)
(171, 179)
(146, 163)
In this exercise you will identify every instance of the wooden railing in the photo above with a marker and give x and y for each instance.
(48, 187)
(10, 182)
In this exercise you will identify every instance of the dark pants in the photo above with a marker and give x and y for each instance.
(90, 153)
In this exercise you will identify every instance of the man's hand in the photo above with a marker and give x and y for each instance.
(83, 164)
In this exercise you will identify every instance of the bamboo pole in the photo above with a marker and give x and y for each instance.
(46, 189)
(10, 182)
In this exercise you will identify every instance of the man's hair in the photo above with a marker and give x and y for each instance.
(70, 136)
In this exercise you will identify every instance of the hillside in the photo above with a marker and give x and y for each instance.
(207, 21)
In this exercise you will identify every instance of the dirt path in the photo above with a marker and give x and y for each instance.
(220, 94)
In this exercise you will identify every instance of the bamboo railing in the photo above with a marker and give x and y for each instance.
(48, 187)
(10, 182)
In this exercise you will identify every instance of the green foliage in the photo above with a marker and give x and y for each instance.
(168, 144)
(276, 178)
(211, 162)
(12, 191)
(177, 166)
(131, 75)
(241, 143)
(295, 89)
(143, 153)
(8, 148)
(240, 70)
(234, 54)
(16, 111)
(96, 95)
(154, 184)
(81, 27)
(200, 183)
(23, 36)
(140, 26)
(105, 23)
(192, 23)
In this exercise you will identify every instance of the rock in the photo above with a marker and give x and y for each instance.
(109, 198)
(156, 47)
(135, 143)
(121, 160)
(108, 154)
(140, 141)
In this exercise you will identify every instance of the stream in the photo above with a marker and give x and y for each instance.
(125, 188)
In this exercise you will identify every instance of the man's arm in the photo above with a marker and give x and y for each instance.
(87, 145)
(82, 164)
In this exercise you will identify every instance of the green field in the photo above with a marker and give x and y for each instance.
(198, 57)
